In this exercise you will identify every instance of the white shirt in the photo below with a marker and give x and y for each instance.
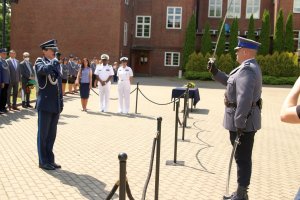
(124, 74)
(103, 72)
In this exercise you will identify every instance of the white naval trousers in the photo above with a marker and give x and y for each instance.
(104, 93)
(124, 96)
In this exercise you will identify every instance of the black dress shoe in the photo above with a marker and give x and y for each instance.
(56, 166)
(47, 167)
(29, 106)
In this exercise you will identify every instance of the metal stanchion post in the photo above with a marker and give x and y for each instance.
(122, 190)
(175, 162)
(185, 110)
(157, 158)
(137, 97)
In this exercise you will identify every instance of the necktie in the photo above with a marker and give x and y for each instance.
(14, 63)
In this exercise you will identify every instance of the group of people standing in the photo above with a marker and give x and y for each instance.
(12, 73)
(87, 75)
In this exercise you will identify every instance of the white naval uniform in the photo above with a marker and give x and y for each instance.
(124, 75)
(103, 72)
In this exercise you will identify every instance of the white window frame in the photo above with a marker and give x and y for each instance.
(143, 24)
(236, 6)
(172, 59)
(125, 36)
(296, 9)
(214, 6)
(174, 15)
(126, 2)
(252, 2)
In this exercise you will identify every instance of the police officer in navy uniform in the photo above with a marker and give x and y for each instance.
(242, 108)
(5, 80)
(49, 103)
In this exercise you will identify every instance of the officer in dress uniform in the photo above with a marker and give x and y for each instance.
(5, 80)
(27, 74)
(125, 75)
(49, 103)
(242, 108)
(104, 74)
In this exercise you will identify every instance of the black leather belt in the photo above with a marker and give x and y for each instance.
(234, 105)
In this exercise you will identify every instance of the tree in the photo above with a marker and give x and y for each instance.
(190, 38)
(289, 34)
(7, 24)
(221, 44)
(206, 45)
(278, 36)
(233, 41)
(264, 37)
(251, 34)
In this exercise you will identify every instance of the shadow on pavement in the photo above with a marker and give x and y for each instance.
(89, 187)
(110, 114)
(15, 116)
(200, 111)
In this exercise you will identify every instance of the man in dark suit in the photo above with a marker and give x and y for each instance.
(27, 74)
(5, 80)
(49, 103)
(242, 116)
(14, 69)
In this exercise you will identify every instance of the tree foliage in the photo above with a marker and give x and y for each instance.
(206, 45)
(190, 38)
(251, 34)
(233, 41)
(278, 36)
(289, 34)
(7, 24)
(264, 37)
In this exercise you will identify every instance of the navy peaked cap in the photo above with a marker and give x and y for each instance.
(3, 50)
(50, 44)
(247, 43)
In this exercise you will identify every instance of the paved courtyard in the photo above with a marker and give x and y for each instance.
(88, 144)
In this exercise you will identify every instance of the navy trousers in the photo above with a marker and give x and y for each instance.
(243, 157)
(47, 126)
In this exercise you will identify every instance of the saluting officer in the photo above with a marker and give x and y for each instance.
(49, 103)
(125, 75)
(5, 80)
(243, 108)
(104, 74)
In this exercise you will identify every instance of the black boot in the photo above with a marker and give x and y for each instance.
(23, 104)
(240, 194)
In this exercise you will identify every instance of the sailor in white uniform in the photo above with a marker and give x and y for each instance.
(125, 75)
(104, 73)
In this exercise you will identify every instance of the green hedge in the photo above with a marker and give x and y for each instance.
(194, 75)
(279, 64)
(272, 80)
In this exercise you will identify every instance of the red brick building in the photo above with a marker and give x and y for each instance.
(150, 32)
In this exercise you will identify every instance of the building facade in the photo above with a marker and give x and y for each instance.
(150, 32)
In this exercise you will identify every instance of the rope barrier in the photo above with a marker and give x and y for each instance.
(150, 169)
(161, 104)
(115, 188)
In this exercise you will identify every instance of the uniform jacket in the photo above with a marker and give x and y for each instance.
(50, 98)
(25, 73)
(243, 87)
(1, 79)
(73, 68)
(5, 72)
(14, 72)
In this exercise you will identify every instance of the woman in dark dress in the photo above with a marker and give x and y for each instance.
(84, 79)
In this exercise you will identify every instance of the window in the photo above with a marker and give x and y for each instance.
(296, 6)
(215, 8)
(125, 34)
(143, 26)
(234, 8)
(253, 7)
(172, 59)
(174, 16)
